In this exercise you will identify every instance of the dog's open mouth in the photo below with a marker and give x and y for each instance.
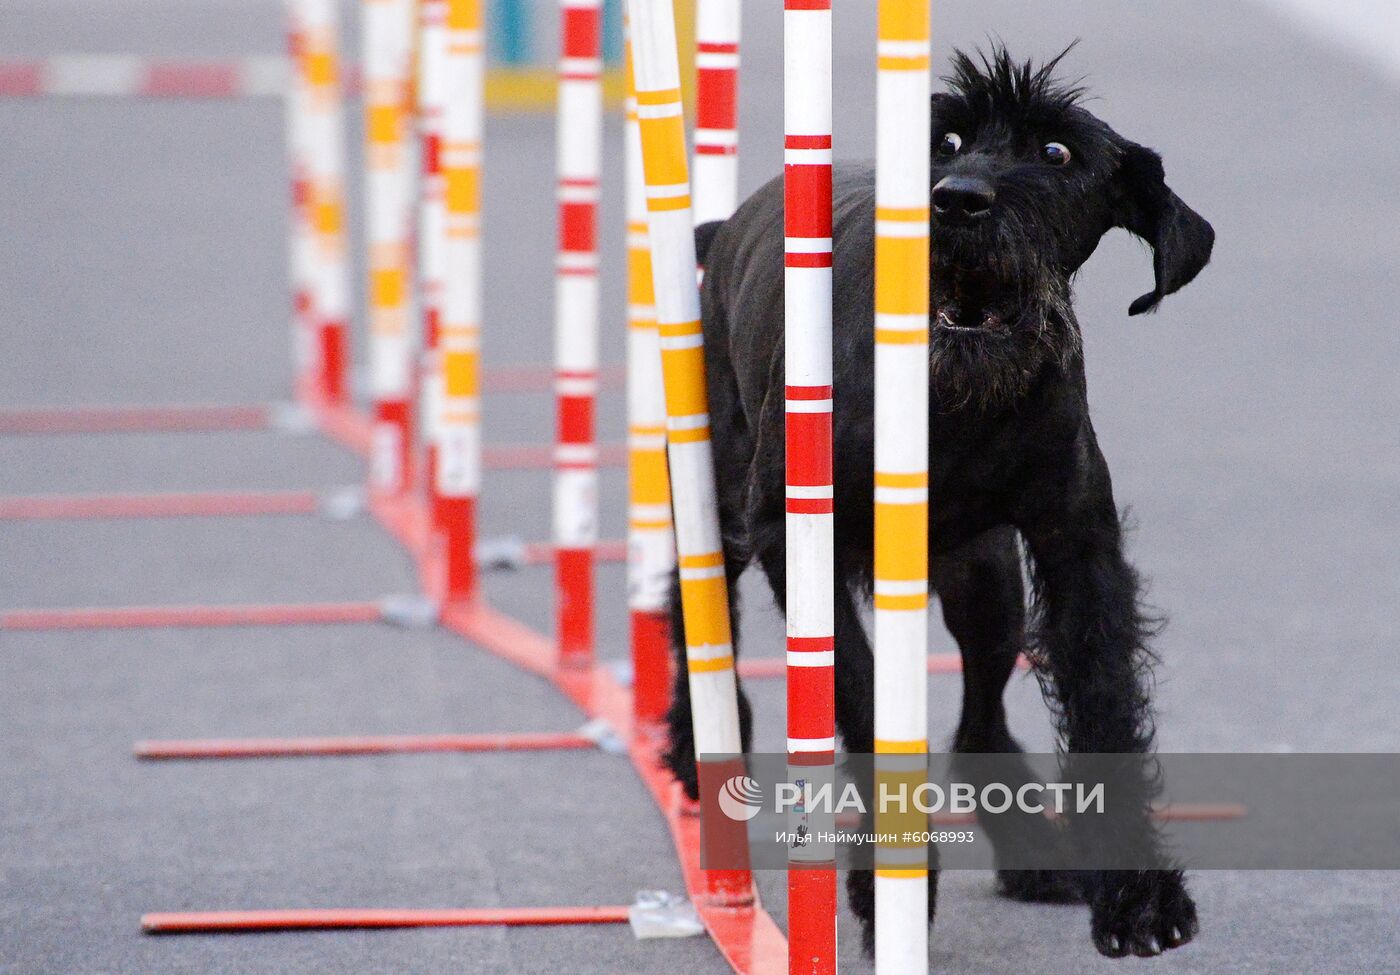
(971, 300)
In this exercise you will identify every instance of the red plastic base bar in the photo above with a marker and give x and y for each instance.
(290, 614)
(529, 457)
(358, 745)
(134, 419)
(200, 503)
(204, 922)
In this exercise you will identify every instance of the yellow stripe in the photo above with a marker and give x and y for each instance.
(382, 123)
(462, 189)
(707, 560)
(901, 602)
(459, 371)
(887, 63)
(387, 287)
(901, 275)
(663, 96)
(903, 20)
(891, 336)
(884, 479)
(689, 436)
(672, 330)
(893, 746)
(901, 546)
(685, 380)
(705, 609)
(663, 147)
(667, 203)
(902, 214)
(711, 666)
(901, 874)
(319, 68)
(463, 14)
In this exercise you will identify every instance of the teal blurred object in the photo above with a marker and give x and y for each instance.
(511, 32)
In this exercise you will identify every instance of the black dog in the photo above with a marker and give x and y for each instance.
(1025, 183)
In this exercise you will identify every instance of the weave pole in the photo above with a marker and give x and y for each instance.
(579, 131)
(457, 459)
(811, 705)
(716, 109)
(301, 247)
(430, 103)
(901, 474)
(704, 596)
(387, 36)
(325, 200)
(650, 539)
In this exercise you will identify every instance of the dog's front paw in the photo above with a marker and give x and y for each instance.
(1142, 913)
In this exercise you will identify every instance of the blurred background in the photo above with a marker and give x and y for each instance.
(1250, 426)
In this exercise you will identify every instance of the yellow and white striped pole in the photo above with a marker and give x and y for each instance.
(651, 556)
(387, 38)
(704, 596)
(901, 475)
(457, 471)
(325, 198)
(301, 245)
(431, 224)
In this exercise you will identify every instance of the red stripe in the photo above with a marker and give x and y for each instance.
(806, 4)
(716, 106)
(807, 201)
(811, 644)
(806, 142)
(707, 150)
(576, 420)
(807, 260)
(810, 506)
(811, 759)
(807, 392)
(432, 153)
(808, 438)
(578, 227)
(717, 47)
(25, 79)
(582, 32)
(199, 80)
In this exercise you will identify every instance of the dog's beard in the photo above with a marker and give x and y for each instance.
(998, 317)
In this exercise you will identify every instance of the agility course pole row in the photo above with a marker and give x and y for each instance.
(901, 472)
(387, 37)
(456, 457)
(717, 28)
(651, 541)
(578, 164)
(317, 84)
(704, 596)
(811, 641)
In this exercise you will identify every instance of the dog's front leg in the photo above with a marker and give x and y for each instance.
(1091, 651)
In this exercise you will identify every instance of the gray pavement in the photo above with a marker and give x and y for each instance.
(1250, 426)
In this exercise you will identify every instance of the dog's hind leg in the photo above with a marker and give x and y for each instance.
(983, 599)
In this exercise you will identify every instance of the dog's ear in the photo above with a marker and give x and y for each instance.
(1181, 238)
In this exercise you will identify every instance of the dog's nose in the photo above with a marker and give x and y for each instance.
(958, 199)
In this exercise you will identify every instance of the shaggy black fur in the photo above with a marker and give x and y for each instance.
(1012, 447)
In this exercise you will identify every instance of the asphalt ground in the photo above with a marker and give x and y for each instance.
(1249, 425)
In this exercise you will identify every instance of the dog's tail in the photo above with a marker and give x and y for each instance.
(704, 237)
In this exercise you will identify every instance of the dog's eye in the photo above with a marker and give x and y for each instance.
(1056, 153)
(950, 145)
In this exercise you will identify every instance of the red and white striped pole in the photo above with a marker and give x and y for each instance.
(387, 37)
(810, 577)
(901, 476)
(457, 458)
(301, 245)
(579, 135)
(709, 646)
(320, 59)
(716, 109)
(651, 554)
(432, 227)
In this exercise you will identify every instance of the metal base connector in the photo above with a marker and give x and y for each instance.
(415, 612)
(661, 914)
(345, 503)
(507, 552)
(603, 735)
(293, 419)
